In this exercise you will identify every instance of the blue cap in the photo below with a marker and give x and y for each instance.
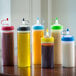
(67, 29)
(38, 27)
(67, 38)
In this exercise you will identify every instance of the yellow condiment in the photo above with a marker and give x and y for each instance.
(23, 49)
(24, 71)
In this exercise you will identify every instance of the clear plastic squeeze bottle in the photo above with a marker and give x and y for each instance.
(68, 50)
(7, 38)
(56, 33)
(23, 43)
(37, 33)
(47, 44)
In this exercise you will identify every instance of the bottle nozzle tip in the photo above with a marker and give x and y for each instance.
(7, 19)
(67, 29)
(23, 19)
(37, 18)
(56, 18)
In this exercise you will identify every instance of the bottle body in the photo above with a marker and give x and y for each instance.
(7, 48)
(23, 42)
(47, 55)
(68, 51)
(57, 46)
(36, 45)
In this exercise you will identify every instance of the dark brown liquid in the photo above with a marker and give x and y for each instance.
(47, 56)
(8, 48)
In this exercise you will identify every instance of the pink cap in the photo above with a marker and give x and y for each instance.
(7, 28)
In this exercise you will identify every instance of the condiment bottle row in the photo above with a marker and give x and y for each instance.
(46, 50)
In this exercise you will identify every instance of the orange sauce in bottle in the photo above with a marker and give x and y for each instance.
(37, 34)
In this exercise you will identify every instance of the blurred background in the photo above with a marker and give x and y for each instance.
(46, 10)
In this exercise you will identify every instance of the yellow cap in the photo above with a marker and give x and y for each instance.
(47, 40)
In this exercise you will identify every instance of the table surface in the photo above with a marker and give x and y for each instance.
(36, 70)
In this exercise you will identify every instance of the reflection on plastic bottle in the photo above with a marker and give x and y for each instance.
(8, 70)
(69, 72)
(58, 71)
(47, 72)
(36, 70)
(24, 71)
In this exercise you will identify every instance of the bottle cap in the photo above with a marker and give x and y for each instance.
(24, 26)
(7, 28)
(47, 40)
(56, 26)
(38, 26)
(67, 37)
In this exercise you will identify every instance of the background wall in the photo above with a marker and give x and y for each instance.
(19, 9)
(30, 10)
(5, 6)
(46, 10)
(46, 13)
(4, 12)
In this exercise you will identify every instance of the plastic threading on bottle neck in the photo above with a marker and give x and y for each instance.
(23, 31)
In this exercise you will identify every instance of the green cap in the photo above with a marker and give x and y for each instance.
(56, 26)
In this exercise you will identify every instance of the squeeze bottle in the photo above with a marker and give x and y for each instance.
(37, 33)
(7, 41)
(47, 44)
(56, 33)
(68, 50)
(23, 43)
